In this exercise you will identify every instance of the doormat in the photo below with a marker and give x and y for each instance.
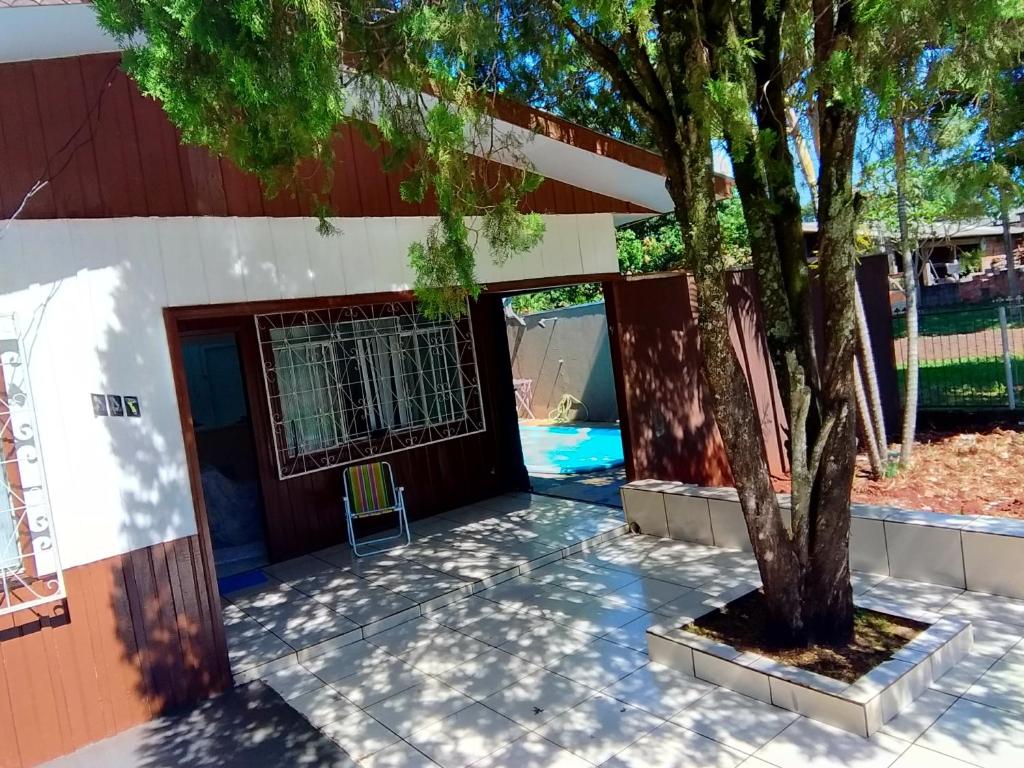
(243, 580)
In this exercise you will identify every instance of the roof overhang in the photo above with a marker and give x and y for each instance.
(556, 148)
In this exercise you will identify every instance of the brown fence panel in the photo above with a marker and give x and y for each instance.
(664, 403)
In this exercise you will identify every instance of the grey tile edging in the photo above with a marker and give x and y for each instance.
(975, 552)
(861, 707)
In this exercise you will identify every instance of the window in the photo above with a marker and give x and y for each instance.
(30, 572)
(351, 383)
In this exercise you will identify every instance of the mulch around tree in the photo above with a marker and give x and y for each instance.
(743, 624)
(976, 473)
(958, 473)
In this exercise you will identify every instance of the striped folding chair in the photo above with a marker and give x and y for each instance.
(370, 491)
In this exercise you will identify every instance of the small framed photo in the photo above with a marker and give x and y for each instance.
(99, 405)
(132, 407)
(116, 405)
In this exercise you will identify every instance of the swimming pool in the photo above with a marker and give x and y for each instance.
(565, 450)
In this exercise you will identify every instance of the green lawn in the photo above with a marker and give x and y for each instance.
(948, 322)
(966, 383)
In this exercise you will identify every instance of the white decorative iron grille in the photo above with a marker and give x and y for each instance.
(30, 572)
(348, 384)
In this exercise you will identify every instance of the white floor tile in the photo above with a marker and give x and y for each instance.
(634, 634)
(919, 757)
(671, 746)
(809, 744)
(964, 674)
(293, 681)
(974, 605)
(532, 751)
(994, 637)
(400, 755)
(917, 718)
(322, 706)
(549, 642)
(583, 577)
(417, 707)
(648, 594)
(734, 720)
(538, 698)
(350, 660)
(658, 689)
(599, 664)
(377, 683)
(1002, 685)
(481, 676)
(444, 652)
(978, 734)
(915, 595)
(359, 735)
(599, 728)
(408, 635)
(465, 737)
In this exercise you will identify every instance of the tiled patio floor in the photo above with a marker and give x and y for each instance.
(600, 487)
(549, 668)
(329, 599)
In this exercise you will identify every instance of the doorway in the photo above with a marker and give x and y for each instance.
(221, 419)
(566, 394)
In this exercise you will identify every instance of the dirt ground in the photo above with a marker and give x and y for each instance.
(958, 473)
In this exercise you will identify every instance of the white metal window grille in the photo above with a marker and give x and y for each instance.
(30, 572)
(348, 384)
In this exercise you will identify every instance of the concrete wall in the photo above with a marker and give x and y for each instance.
(565, 351)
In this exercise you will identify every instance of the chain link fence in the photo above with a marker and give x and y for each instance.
(971, 356)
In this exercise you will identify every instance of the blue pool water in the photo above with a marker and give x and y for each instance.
(565, 450)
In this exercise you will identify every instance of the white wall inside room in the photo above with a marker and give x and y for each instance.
(88, 294)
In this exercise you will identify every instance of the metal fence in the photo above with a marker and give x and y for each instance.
(971, 355)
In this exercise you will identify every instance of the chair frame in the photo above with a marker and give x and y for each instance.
(375, 546)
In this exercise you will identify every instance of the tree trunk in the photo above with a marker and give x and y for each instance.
(1013, 284)
(874, 397)
(910, 289)
(866, 425)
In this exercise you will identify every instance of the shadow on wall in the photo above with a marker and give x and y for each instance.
(139, 633)
(672, 435)
(565, 351)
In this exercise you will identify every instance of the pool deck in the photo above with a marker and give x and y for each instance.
(601, 487)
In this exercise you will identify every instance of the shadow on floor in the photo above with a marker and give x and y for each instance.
(245, 727)
(600, 487)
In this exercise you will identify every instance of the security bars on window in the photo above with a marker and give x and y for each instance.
(348, 384)
(30, 572)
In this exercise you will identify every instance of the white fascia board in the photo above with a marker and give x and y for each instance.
(51, 32)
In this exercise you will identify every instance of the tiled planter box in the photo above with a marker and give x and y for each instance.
(861, 707)
(979, 553)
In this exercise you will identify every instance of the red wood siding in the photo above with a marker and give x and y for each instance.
(304, 513)
(111, 152)
(136, 636)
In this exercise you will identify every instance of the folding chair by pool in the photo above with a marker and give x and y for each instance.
(370, 491)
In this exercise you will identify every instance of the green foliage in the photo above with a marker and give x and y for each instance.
(970, 261)
(269, 84)
(650, 245)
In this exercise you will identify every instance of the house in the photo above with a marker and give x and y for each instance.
(186, 365)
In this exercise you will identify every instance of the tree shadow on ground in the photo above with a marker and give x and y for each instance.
(245, 727)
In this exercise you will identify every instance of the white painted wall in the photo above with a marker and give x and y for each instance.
(87, 296)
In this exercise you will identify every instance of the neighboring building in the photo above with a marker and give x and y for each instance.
(202, 362)
(965, 260)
